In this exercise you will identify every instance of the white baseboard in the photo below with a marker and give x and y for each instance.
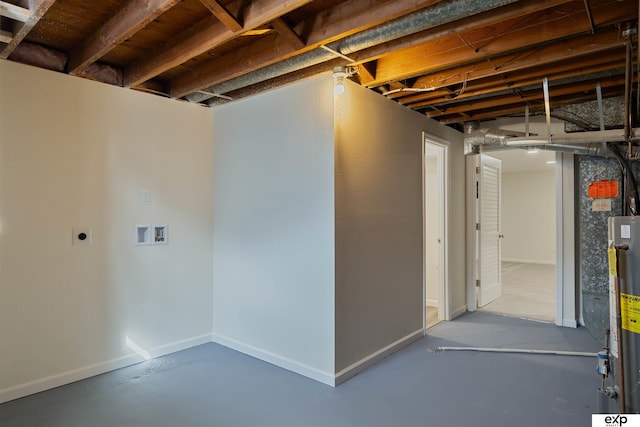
(529, 261)
(432, 302)
(275, 359)
(372, 359)
(568, 323)
(458, 311)
(57, 380)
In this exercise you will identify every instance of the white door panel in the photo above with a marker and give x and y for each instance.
(489, 256)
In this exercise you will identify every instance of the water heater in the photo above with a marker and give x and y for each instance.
(620, 391)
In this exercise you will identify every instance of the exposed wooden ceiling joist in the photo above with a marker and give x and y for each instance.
(561, 50)
(14, 12)
(337, 22)
(502, 111)
(530, 95)
(223, 15)
(203, 37)
(133, 16)
(504, 37)
(465, 64)
(5, 36)
(37, 9)
(294, 40)
(512, 80)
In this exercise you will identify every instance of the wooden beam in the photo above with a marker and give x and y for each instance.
(518, 109)
(36, 10)
(263, 52)
(288, 33)
(528, 96)
(604, 41)
(133, 16)
(222, 14)
(350, 17)
(366, 71)
(330, 25)
(284, 79)
(5, 36)
(481, 86)
(333, 24)
(14, 12)
(481, 20)
(534, 106)
(470, 92)
(500, 38)
(204, 36)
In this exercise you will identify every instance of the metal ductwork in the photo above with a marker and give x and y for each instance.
(586, 143)
(430, 17)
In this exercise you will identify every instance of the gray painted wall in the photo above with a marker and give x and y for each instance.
(379, 252)
(273, 227)
(379, 289)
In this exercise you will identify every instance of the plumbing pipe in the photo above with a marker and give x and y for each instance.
(518, 350)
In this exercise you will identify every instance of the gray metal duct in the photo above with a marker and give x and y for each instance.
(586, 143)
(438, 14)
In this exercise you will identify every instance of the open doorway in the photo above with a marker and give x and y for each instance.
(528, 235)
(435, 231)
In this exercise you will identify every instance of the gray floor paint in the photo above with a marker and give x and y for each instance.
(211, 385)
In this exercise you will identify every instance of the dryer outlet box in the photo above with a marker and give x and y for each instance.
(81, 236)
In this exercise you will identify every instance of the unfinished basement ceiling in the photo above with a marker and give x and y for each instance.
(453, 60)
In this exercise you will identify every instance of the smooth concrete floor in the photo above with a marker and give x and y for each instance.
(211, 385)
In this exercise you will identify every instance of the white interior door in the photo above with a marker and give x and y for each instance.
(489, 229)
(435, 239)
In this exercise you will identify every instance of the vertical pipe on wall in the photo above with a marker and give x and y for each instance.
(628, 80)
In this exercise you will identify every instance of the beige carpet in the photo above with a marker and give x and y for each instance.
(528, 291)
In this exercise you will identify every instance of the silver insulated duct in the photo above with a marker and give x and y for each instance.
(430, 17)
(585, 143)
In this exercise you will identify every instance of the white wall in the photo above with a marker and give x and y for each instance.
(77, 153)
(456, 217)
(528, 212)
(432, 230)
(274, 227)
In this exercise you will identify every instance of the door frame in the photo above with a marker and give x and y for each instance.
(568, 312)
(444, 312)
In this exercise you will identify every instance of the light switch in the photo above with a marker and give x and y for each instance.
(145, 197)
